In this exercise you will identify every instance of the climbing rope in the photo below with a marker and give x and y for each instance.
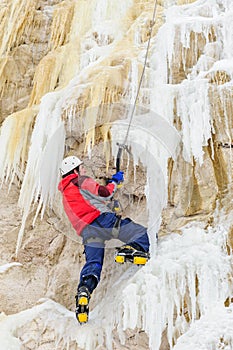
(123, 146)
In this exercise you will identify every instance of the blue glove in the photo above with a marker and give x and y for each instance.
(118, 177)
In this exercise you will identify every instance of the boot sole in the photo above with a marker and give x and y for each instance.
(82, 310)
(137, 260)
(82, 317)
(83, 301)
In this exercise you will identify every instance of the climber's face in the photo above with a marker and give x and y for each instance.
(82, 170)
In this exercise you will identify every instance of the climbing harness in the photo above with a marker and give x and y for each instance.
(115, 232)
(123, 145)
(116, 227)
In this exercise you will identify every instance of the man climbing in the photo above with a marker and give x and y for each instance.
(86, 204)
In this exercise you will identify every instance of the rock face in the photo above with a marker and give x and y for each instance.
(44, 46)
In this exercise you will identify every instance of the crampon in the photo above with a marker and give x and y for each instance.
(82, 305)
(127, 253)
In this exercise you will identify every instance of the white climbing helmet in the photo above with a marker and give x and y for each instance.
(69, 163)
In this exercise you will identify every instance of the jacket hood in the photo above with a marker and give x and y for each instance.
(66, 181)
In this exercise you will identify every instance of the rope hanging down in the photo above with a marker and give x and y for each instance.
(123, 146)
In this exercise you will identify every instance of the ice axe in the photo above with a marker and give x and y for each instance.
(121, 147)
(116, 204)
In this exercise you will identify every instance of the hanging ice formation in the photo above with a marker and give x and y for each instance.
(151, 144)
(190, 274)
(160, 296)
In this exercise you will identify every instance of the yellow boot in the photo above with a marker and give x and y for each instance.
(129, 253)
(82, 304)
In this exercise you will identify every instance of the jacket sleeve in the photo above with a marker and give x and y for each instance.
(88, 184)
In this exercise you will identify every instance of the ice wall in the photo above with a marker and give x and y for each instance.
(192, 50)
(189, 31)
(210, 332)
(47, 140)
(188, 279)
(151, 145)
(181, 284)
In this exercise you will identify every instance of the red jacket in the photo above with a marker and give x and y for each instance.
(84, 199)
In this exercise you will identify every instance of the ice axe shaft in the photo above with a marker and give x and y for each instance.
(118, 158)
(119, 154)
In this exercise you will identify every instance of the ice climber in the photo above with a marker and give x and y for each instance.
(86, 204)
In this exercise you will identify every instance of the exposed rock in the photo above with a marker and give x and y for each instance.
(38, 57)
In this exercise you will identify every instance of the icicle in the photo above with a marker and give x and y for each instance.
(105, 131)
(194, 111)
(14, 142)
(162, 98)
(106, 10)
(45, 155)
(61, 25)
(19, 19)
(16, 19)
(134, 81)
(46, 76)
